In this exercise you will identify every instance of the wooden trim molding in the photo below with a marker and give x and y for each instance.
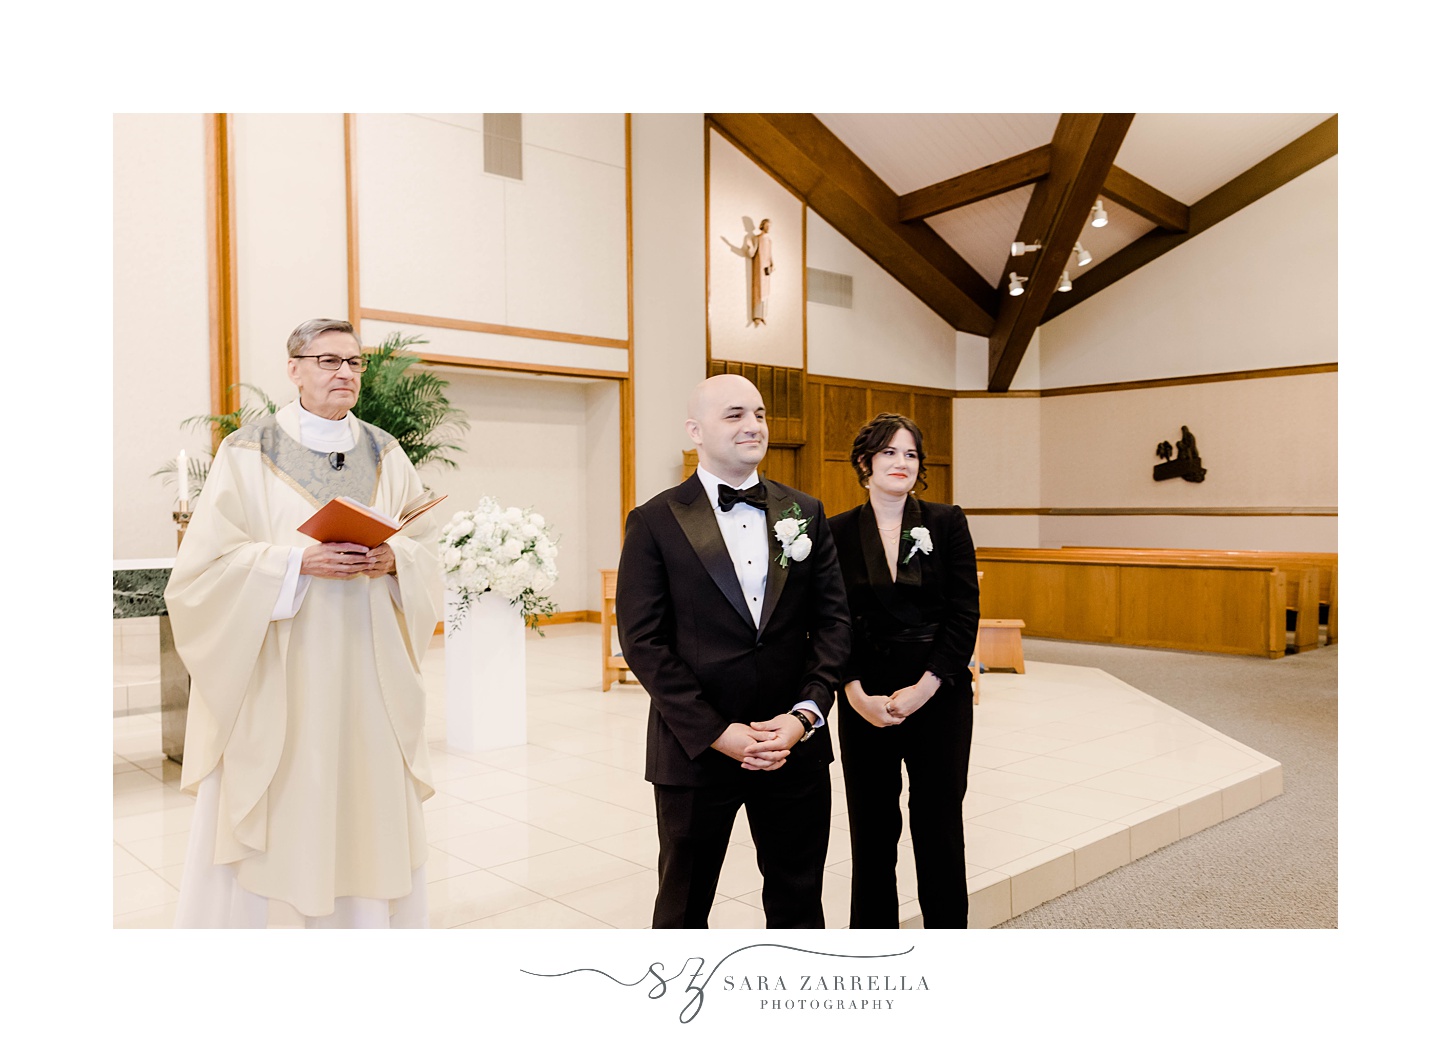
(1151, 511)
(469, 362)
(221, 268)
(436, 322)
(882, 385)
(1185, 381)
(350, 181)
(1168, 381)
(627, 385)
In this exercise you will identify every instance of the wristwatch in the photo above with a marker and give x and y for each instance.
(805, 722)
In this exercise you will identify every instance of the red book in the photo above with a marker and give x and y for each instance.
(344, 520)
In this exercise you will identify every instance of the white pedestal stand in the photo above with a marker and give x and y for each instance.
(484, 674)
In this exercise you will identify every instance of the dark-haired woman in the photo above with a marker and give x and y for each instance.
(911, 580)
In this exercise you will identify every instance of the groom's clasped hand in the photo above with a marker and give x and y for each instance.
(760, 745)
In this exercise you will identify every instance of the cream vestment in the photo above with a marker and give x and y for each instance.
(305, 733)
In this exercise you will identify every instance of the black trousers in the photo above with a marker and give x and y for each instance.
(790, 818)
(934, 743)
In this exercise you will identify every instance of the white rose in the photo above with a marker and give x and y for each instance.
(786, 529)
(513, 515)
(462, 529)
(923, 539)
(467, 567)
(536, 519)
(513, 548)
(800, 548)
(529, 531)
(451, 558)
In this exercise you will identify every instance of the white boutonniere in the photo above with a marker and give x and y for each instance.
(791, 531)
(921, 541)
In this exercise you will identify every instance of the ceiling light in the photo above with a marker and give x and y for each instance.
(1020, 248)
(1015, 284)
(1084, 257)
(1098, 216)
(1065, 284)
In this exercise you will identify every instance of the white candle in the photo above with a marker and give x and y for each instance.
(183, 489)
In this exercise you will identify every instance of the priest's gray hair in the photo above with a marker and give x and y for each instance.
(303, 336)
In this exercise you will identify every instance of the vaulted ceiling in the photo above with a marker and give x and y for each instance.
(938, 199)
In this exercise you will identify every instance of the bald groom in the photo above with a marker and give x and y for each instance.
(737, 626)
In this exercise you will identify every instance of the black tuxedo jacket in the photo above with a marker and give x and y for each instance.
(688, 636)
(893, 636)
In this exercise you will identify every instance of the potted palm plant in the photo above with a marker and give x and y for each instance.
(407, 402)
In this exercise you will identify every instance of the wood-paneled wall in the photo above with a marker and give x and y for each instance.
(815, 419)
(836, 410)
(784, 393)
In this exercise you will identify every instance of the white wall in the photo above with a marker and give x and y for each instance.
(291, 218)
(668, 169)
(496, 347)
(887, 334)
(1265, 443)
(602, 535)
(161, 329)
(741, 196)
(536, 442)
(438, 236)
(1256, 291)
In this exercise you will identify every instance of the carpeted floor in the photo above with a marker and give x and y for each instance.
(1271, 867)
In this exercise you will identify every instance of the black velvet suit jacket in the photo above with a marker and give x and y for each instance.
(688, 636)
(936, 588)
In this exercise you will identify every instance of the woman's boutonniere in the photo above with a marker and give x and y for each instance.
(791, 531)
(921, 540)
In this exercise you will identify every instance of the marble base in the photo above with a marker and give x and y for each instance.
(137, 592)
(175, 695)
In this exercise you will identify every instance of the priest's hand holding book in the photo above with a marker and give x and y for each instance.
(352, 538)
(347, 561)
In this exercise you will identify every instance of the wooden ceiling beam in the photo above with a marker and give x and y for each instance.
(800, 152)
(1145, 200)
(1306, 152)
(1017, 171)
(1083, 150)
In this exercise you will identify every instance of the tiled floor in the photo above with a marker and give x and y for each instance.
(1074, 773)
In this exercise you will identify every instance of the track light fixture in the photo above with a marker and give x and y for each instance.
(1084, 257)
(1015, 284)
(1020, 248)
(1098, 216)
(1065, 284)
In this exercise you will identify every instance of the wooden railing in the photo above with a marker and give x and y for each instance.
(1151, 599)
(1311, 580)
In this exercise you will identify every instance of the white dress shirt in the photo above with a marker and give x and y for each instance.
(746, 536)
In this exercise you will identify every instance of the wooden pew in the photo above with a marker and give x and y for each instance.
(613, 666)
(1311, 580)
(1107, 596)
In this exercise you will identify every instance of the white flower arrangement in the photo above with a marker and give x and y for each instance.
(790, 531)
(921, 540)
(509, 552)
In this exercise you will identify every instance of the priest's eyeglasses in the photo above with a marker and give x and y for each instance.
(333, 363)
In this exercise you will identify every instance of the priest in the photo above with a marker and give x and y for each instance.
(305, 743)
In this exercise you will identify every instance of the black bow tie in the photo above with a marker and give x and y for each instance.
(755, 496)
